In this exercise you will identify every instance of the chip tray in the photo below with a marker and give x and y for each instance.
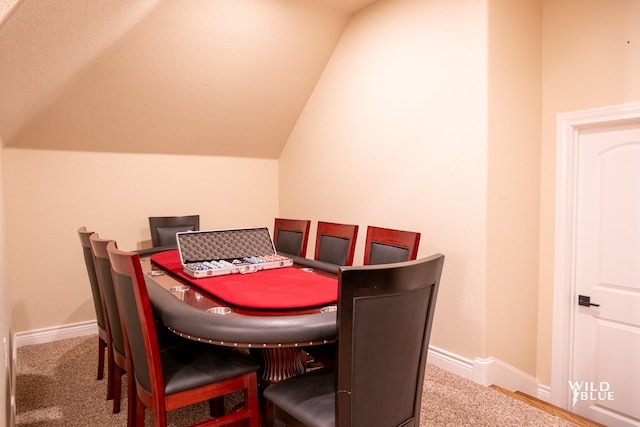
(229, 251)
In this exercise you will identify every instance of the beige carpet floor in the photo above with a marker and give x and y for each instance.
(56, 387)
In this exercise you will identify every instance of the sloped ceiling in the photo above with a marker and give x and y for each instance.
(203, 77)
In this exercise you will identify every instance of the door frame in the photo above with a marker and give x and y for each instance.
(568, 128)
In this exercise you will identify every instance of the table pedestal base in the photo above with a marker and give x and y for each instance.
(280, 363)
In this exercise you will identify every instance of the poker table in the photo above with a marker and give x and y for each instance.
(276, 311)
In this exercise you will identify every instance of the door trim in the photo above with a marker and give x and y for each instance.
(568, 128)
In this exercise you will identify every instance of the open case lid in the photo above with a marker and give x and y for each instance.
(198, 246)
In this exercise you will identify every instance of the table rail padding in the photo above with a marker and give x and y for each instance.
(242, 331)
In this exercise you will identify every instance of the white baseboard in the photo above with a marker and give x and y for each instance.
(544, 393)
(450, 362)
(482, 371)
(489, 371)
(494, 371)
(45, 335)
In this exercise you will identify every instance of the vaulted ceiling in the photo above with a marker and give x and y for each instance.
(203, 77)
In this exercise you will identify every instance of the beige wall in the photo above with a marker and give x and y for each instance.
(513, 177)
(50, 194)
(6, 332)
(395, 135)
(591, 57)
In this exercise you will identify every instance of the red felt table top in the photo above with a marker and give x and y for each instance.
(279, 288)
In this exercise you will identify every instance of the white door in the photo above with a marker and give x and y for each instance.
(605, 380)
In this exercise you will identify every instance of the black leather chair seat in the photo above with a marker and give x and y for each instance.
(194, 364)
(310, 398)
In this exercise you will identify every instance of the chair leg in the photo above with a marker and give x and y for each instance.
(132, 402)
(269, 418)
(111, 374)
(117, 388)
(216, 406)
(102, 345)
(159, 418)
(139, 407)
(251, 400)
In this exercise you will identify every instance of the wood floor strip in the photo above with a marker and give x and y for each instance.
(548, 407)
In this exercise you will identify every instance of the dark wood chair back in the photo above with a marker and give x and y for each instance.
(164, 228)
(385, 314)
(105, 280)
(185, 373)
(386, 245)
(290, 236)
(135, 312)
(103, 273)
(104, 336)
(335, 243)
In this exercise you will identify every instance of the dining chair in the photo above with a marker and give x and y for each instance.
(179, 375)
(164, 228)
(386, 245)
(291, 236)
(384, 315)
(104, 335)
(118, 353)
(335, 243)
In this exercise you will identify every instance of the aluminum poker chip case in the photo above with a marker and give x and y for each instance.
(220, 252)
